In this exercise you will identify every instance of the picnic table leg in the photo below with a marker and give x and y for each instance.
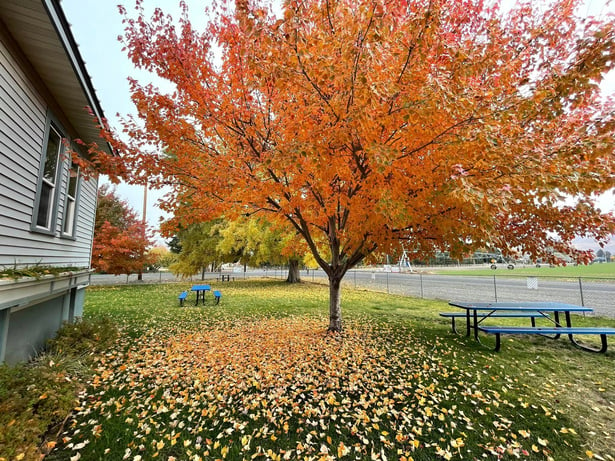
(590, 349)
(197, 298)
(453, 326)
(468, 322)
(497, 342)
(476, 326)
(581, 346)
(558, 324)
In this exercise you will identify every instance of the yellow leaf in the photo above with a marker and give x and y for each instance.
(457, 443)
(589, 453)
(342, 450)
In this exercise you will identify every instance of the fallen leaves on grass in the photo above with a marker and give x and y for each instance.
(283, 389)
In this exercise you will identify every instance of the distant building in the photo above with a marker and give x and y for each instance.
(47, 207)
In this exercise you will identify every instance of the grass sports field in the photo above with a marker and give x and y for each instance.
(605, 270)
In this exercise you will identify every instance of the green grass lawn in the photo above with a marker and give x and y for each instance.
(257, 377)
(605, 270)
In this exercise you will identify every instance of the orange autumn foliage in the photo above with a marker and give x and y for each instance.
(447, 124)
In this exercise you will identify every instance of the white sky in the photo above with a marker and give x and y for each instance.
(96, 24)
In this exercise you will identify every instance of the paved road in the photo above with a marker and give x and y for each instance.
(598, 293)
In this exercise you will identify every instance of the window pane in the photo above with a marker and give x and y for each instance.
(51, 157)
(44, 205)
(72, 180)
(69, 217)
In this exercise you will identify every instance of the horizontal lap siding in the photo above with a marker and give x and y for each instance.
(23, 114)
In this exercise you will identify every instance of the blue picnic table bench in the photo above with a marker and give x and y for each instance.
(477, 313)
(458, 315)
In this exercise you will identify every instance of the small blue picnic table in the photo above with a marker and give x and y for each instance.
(200, 290)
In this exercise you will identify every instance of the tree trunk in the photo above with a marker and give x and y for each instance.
(203, 272)
(293, 271)
(335, 304)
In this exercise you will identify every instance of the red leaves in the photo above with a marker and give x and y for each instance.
(120, 240)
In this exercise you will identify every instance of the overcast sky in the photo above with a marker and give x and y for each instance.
(96, 24)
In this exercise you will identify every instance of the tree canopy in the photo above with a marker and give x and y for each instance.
(450, 125)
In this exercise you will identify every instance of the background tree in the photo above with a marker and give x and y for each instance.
(120, 239)
(161, 257)
(256, 242)
(111, 208)
(174, 245)
(199, 249)
(450, 125)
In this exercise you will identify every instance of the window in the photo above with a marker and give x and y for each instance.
(71, 200)
(47, 191)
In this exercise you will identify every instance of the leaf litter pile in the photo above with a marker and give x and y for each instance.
(281, 388)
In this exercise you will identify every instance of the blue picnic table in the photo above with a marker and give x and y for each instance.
(477, 312)
(200, 290)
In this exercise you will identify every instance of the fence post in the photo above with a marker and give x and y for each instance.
(581, 291)
(495, 289)
(421, 278)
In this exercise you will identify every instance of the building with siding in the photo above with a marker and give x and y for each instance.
(47, 207)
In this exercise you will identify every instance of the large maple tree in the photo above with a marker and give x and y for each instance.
(445, 124)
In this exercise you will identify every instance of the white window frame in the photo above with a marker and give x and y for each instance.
(70, 204)
(49, 227)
